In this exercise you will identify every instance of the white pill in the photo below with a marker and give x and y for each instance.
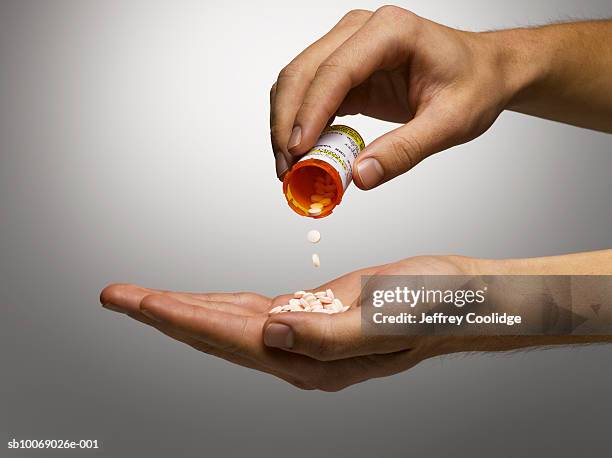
(344, 309)
(320, 294)
(299, 294)
(276, 309)
(314, 211)
(304, 302)
(294, 301)
(326, 300)
(315, 260)
(313, 236)
(329, 293)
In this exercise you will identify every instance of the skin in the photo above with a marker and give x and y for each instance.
(329, 352)
(445, 86)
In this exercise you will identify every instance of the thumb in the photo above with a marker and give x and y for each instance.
(326, 337)
(398, 151)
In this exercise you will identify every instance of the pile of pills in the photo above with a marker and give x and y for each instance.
(321, 302)
(325, 191)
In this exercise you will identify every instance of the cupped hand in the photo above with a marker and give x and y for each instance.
(446, 85)
(309, 350)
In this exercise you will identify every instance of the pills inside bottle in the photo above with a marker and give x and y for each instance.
(315, 184)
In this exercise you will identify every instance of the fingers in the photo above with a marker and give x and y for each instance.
(225, 306)
(126, 298)
(238, 303)
(123, 298)
(281, 159)
(228, 332)
(209, 349)
(401, 149)
(326, 337)
(381, 43)
(287, 94)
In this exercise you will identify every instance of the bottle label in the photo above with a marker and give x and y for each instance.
(338, 146)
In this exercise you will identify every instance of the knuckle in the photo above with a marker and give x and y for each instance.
(275, 130)
(150, 300)
(331, 68)
(301, 384)
(276, 137)
(333, 74)
(291, 70)
(394, 13)
(404, 151)
(237, 346)
(317, 377)
(355, 17)
(332, 387)
(328, 382)
(313, 110)
(322, 376)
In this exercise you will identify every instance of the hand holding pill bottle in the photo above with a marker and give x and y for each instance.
(316, 183)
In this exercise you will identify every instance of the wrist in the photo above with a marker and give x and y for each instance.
(522, 64)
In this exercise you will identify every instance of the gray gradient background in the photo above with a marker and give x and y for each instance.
(134, 148)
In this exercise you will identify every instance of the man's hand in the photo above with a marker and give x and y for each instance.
(329, 352)
(446, 85)
(309, 350)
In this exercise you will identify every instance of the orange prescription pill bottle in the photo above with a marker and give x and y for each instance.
(316, 183)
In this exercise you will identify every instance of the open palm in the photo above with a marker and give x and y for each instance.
(330, 352)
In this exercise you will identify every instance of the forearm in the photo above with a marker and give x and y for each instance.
(561, 72)
(588, 263)
(591, 263)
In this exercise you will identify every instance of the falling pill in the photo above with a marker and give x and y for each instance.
(315, 260)
(313, 236)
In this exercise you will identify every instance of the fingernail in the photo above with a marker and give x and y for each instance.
(281, 164)
(149, 315)
(113, 308)
(296, 137)
(279, 336)
(370, 172)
